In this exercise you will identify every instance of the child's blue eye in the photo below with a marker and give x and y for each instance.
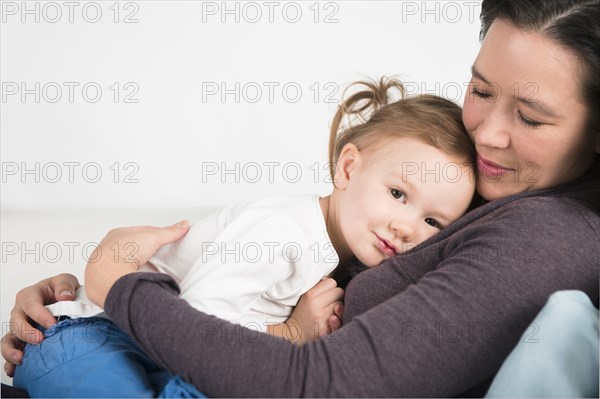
(396, 193)
(432, 222)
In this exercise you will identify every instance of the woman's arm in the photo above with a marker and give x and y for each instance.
(395, 349)
(245, 362)
(136, 245)
(439, 337)
(30, 301)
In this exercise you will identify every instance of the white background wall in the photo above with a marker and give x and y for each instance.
(76, 164)
(157, 143)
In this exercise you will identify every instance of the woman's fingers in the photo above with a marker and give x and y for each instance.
(12, 352)
(24, 331)
(9, 368)
(64, 286)
(172, 233)
(150, 235)
(139, 244)
(30, 305)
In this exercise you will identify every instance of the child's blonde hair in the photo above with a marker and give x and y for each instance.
(429, 118)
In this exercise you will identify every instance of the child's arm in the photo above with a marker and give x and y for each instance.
(311, 318)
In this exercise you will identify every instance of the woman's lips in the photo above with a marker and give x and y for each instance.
(385, 247)
(489, 168)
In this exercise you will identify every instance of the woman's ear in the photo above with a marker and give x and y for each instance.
(347, 163)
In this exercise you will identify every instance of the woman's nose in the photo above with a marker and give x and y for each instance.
(493, 131)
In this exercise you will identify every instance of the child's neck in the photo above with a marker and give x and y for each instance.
(333, 229)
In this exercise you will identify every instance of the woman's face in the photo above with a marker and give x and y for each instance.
(525, 114)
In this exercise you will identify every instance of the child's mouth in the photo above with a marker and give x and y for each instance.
(386, 247)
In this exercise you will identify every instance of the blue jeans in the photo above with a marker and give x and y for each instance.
(557, 356)
(92, 357)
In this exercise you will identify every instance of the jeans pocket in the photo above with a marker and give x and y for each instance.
(64, 342)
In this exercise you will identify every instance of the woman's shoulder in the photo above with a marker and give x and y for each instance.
(542, 213)
(552, 235)
(537, 219)
(548, 231)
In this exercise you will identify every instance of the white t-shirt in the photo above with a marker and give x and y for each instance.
(248, 263)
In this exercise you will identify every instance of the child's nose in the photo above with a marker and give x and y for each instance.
(404, 228)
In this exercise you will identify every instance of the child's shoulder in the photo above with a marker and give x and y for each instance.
(287, 204)
(290, 205)
(301, 213)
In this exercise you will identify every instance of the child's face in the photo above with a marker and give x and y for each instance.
(397, 196)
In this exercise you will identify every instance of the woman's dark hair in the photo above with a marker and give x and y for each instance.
(572, 24)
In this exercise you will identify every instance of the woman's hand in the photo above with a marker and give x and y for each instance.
(29, 305)
(318, 312)
(124, 251)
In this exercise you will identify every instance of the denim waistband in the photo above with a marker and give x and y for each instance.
(66, 321)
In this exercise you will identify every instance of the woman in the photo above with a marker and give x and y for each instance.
(439, 319)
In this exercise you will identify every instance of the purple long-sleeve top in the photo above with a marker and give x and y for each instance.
(437, 320)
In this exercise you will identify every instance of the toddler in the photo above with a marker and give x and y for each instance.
(401, 172)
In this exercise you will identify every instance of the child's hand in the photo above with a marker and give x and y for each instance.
(335, 320)
(318, 312)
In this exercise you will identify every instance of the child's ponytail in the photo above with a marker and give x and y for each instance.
(362, 106)
(372, 118)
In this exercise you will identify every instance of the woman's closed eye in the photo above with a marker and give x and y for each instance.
(480, 94)
(524, 120)
(528, 122)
